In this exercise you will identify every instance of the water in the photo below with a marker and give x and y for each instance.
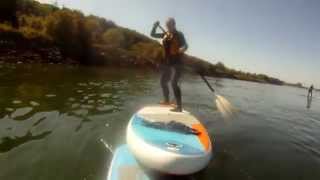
(63, 122)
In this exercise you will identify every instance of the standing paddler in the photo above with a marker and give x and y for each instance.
(175, 46)
(310, 91)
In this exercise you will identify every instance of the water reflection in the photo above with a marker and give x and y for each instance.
(73, 99)
(87, 91)
(21, 113)
(8, 143)
(86, 105)
(309, 101)
(39, 121)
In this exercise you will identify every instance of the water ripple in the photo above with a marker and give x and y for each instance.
(8, 143)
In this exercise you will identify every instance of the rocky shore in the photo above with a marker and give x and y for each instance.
(12, 52)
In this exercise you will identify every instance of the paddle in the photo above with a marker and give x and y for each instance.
(162, 29)
(223, 105)
(206, 81)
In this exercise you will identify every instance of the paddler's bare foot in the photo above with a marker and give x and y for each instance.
(165, 103)
(173, 104)
(177, 109)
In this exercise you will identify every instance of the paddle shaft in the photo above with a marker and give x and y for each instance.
(162, 29)
(206, 81)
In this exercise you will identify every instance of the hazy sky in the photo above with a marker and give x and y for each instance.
(280, 38)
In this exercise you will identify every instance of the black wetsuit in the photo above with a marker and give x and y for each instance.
(171, 68)
(310, 91)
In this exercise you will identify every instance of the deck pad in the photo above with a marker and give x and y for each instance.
(163, 114)
(158, 126)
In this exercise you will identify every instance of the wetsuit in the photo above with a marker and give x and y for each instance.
(171, 67)
(310, 91)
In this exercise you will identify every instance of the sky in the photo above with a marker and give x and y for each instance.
(280, 38)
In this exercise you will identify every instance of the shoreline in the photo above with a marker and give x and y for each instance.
(54, 57)
(46, 58)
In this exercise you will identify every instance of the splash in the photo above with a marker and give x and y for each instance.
(224, 107)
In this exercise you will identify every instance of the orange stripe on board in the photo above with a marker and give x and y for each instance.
(203, 136)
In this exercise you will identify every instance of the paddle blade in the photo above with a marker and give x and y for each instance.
(224, 107)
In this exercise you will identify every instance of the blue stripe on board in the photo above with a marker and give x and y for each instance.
(159, 137)
(124, 158)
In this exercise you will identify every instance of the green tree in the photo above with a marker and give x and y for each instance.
(31, 7)
(67, 29)
(98, 26)
(114, 38)
(8, 10)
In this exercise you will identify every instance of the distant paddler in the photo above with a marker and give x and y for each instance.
(309, 97)
(310, 91)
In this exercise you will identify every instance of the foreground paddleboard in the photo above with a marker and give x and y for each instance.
(125, 167)
(169, 142)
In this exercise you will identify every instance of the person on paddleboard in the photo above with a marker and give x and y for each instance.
(174, 45)
(310, 91)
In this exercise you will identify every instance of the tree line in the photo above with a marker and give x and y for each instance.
(94, 40)
(88, 39)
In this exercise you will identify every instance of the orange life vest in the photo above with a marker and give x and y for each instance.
(171, 44)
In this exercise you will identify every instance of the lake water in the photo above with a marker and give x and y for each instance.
(63, 122)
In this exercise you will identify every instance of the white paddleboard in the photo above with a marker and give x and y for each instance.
(125, 167)
(169, 142)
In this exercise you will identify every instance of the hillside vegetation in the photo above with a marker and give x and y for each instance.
(33, 32)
